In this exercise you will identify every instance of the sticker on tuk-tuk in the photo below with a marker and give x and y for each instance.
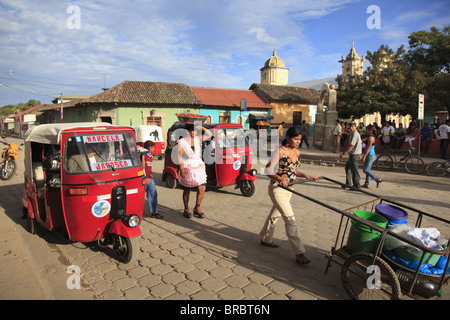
(237, 165)
(103, 138)
(119, 164)
(101, 208)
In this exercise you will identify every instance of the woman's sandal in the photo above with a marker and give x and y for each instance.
(271, 245)
(379, 182)
(200, 215)
(303, 259)
(187, 214)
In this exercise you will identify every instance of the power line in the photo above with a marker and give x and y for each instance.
(55, 83)
(32, 91)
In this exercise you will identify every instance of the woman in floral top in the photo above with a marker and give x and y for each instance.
(283, 169)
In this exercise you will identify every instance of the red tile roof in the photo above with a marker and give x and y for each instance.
(286, 93)
(144, 92)
(229, 97)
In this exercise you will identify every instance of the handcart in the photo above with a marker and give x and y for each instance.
(377, 274)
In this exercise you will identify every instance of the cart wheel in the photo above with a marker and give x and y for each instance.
(171, 181)
(127, 249)
(247, 188)
(360, 282)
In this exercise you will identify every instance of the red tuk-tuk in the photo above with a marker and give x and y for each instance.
(152, 133)
(228, 157)
(85, 182)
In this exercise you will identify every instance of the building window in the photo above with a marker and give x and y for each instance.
(154, 121)
(224, 117)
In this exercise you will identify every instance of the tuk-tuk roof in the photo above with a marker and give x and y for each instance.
(51, 133)
(143, 131)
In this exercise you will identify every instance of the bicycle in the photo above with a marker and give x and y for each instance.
(438, 168)
(413, 164)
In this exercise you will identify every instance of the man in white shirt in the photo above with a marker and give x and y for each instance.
(337, 136)
(444, 134)
(354, 150)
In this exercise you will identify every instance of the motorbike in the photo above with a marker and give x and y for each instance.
(85, 182)
(9, 157)
(228, 157)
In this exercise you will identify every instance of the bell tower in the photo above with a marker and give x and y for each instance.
(352, 65)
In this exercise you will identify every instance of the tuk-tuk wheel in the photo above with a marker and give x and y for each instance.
(171, 181)
(32, 225)
(247, 188)
(127, 249)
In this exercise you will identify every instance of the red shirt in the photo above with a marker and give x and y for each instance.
(148, 163)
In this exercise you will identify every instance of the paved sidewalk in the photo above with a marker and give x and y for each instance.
(317, 156)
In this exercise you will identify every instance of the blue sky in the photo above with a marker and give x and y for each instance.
(211, 43)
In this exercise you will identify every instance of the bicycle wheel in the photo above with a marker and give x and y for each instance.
(384, 162)
(365, 279)
(414, 165)
(436, 169)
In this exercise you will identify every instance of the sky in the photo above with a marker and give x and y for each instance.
(58, 47)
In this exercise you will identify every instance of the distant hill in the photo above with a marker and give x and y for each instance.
(314, 84)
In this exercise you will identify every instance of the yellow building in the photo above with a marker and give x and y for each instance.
(274, 71)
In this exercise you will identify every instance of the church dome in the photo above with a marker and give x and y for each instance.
(274, 61)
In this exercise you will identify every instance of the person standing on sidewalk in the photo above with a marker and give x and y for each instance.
(354, 150)
(444, 134)
(369, 157)
(150, 187)
(282, 170)
(192, 168)
(337, 136)
(305, 133)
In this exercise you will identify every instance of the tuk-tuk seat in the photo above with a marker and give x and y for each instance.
(38, 174)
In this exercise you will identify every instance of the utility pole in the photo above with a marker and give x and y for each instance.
(61, 111)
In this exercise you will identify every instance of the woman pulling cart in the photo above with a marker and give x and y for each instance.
(285, 162)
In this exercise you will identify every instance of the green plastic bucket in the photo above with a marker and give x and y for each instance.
(362, 238)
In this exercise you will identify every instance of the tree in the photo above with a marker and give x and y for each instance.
(9, 109)
(388, 86)
(429, 53)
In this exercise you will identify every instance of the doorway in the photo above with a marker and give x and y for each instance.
(297, 118)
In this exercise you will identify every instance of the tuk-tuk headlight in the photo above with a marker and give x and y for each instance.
(252, 172)
(132, 220)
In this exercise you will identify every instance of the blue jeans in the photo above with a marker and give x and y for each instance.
(152, 196)
(366, 169)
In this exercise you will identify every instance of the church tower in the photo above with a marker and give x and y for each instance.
(274, 71)
(352, 65)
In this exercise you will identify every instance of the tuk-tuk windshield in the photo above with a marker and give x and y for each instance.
(231, 138)
(100, 152)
